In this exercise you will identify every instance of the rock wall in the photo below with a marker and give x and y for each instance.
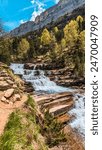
(51, 14)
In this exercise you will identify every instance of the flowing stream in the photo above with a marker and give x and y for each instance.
(42, 84)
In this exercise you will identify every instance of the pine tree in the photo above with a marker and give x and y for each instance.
(80, 21)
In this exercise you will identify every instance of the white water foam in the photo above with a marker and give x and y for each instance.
(17, 68)
(38, 79)
(79, 112)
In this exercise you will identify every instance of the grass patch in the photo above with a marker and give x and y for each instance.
(25, 128)
(22, 131)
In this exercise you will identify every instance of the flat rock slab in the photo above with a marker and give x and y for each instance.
(57, 102)
(51, 97)
(61, 109)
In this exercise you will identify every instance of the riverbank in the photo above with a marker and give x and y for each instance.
(58, 103)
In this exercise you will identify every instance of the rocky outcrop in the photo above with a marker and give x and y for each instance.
(11, 86)
(50, 15)
(57, 104)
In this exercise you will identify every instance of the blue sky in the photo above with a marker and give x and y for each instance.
(15, 12)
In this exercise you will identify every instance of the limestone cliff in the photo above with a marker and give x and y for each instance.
(48, 16)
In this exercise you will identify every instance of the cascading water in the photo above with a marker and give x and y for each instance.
(79, 112)
(37, 78)
(41, 83)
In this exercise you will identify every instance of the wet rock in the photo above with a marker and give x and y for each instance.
(28, 87)
(9, 93)
(29, 66)
(36, 73)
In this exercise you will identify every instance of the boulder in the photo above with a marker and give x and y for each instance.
(16, 97)
(9, 93)
(3, 99)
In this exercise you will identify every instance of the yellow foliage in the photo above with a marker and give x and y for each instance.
(46, 37)
(71, 33)
(23, 47)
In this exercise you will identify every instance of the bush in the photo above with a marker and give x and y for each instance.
(53, 130)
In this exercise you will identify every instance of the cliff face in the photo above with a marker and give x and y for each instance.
(52, 14)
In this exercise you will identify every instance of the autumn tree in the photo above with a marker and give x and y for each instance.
(45, 37)
(23, 48)
(71, 33)
(75, 41)
(58, 34)
(63, 43)
(55, 30)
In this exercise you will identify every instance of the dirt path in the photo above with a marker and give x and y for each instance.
(7, 109)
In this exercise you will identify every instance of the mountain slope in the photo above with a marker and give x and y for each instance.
(49, 16)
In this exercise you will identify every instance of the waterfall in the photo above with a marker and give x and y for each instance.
(37, 78)
(41, 83)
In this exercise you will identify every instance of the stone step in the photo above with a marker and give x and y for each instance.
(49, 98)
(61, 109)
(70, 82)
(58, 102)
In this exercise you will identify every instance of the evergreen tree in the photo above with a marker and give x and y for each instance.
(80, 21)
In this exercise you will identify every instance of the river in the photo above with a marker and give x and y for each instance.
(42, 84)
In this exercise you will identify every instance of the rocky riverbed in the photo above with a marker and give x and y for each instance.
(64, 103)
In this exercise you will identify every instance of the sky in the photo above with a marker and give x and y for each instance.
(15, 12)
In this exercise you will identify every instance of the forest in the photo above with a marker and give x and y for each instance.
(65, 46)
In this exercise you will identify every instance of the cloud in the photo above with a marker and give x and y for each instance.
(26, 8)
(56, 1)
(32, 1)
(38, 9)
(22, 21)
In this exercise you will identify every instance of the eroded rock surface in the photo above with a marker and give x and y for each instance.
(11, 86)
